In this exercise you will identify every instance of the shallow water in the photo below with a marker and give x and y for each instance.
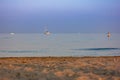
(68, 44)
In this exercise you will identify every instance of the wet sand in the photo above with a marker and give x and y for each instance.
(60, 68)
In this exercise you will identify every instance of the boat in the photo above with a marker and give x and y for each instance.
(46, 32)
(108, 35)
(12, 33)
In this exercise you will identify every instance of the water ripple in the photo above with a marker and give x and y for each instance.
(97, 49)
(22, 51)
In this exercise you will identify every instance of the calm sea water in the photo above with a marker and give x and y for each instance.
(77, 44)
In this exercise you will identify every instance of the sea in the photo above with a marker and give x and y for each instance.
(59, 44)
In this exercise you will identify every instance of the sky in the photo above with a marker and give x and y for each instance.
(60, 16)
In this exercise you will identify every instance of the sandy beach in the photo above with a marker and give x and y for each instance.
(60, 68)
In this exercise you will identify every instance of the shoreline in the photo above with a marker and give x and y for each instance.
(60, 68)
(62, 57)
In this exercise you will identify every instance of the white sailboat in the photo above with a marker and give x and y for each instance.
(12, 33)
(46, 32)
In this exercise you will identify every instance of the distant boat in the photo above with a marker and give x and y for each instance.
(108, 35)
(12, 33)
(46, 32)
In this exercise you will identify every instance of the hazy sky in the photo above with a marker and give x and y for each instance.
(60, 16)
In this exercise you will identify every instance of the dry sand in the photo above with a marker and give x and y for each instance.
(60, 68)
